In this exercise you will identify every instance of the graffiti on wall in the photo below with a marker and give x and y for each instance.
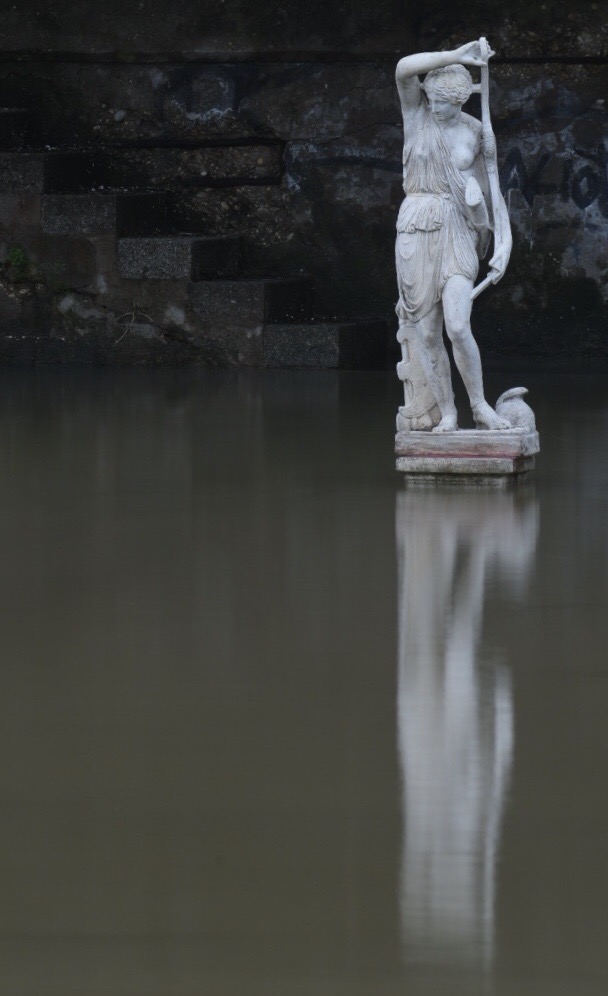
(582, 182)
(577, 175)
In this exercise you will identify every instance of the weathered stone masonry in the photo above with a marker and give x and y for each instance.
(176, 185)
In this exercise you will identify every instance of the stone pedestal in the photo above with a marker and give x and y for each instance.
(467, 456)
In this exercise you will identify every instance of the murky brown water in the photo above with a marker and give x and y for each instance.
(271, 726)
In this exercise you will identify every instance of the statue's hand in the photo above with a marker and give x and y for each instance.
(499, 262)
(471, 54)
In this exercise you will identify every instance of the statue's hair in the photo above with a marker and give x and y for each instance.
(453, 83)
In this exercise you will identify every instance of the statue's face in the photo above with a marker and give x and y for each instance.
(442, 109)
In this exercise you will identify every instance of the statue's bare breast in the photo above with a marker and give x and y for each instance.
(463, 142)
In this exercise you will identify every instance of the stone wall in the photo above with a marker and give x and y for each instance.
(280, 124)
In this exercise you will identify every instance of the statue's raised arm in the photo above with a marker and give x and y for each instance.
(411, 66)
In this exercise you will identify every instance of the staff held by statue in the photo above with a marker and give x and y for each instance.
(502, 232)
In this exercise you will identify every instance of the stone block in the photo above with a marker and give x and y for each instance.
(14, 127)
(467, 453)
(17, 349)
(60, 263)
(251, 302)
(177, 258)
(350, 345)
(217, 257)
(99, 214)
(83, 214)
(146, 215)
(289, 299)
(21, 172)
(19, 215)
(163, 169)
(79, 173)
(174, 169)
(364, 345)
(242, 302)
(71, 262)
(17, 324)
(155, 259)
(83, 263)
(302, 345)
(233, 344)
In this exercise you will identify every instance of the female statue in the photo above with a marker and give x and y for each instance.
(444, 228)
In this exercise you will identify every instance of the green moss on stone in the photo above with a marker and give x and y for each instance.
(18, 263)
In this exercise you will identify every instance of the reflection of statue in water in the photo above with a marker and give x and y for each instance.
(452, 206)
(455, 723)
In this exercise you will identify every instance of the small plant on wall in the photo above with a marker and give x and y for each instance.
(17, 263)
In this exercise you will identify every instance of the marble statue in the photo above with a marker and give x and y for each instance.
(452, 210)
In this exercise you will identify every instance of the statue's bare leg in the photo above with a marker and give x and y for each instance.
(435, 362)
(457, 312)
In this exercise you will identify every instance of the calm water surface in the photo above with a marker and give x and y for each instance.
(273, 726)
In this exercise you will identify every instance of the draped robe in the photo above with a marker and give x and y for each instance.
(435, 240)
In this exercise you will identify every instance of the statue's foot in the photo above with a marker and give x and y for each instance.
(449, 423)
(486, 418)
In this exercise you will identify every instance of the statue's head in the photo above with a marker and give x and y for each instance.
(447, 89)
